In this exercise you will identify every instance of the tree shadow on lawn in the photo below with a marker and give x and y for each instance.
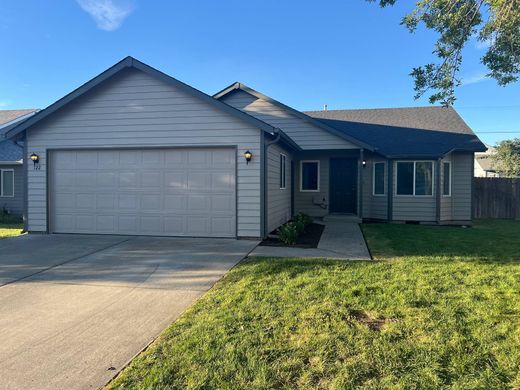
(486, 241)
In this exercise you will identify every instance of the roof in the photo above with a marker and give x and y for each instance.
(405, 132)
(7, 116)
(130, 62)
(10, 151)
(240, 86)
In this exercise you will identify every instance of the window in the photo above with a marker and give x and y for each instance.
(310, 176)
(6, 182)
(282, 171)
(414, 178)
(446, 180)
(379, 178)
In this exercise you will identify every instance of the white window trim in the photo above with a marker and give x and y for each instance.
(451, 173)
(301, 175)
(414, 165)
(374, 178)
(2, 183)
(283, 171)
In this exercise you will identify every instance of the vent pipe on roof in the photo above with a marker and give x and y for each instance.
(325, 107)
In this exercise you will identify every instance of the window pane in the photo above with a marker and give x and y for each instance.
(7, 183)
(423, 178)
(447, 178)
(309, 176)
(379, 178)
(405, 178)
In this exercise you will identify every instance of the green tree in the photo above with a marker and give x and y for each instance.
(495, 22)
(506, 160)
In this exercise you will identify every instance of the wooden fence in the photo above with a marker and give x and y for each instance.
(496, 198)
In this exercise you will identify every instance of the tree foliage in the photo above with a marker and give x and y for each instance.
(506, 160)
(495, 23)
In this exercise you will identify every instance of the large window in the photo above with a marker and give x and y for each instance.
(283, 159)
(414, 178)
(446, 178)
(310, 176)
(6, 182)
(379, 178)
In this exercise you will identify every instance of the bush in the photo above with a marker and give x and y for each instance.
(303, 218)
(300, 226)
(288, 233)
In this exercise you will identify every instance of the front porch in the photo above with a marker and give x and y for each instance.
(327, 184)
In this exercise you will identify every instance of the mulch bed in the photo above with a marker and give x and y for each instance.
(308, 239)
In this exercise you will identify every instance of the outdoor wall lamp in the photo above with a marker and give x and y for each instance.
(248, 156)
(364, 163)
(36, 160)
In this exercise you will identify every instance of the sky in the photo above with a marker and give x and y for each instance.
(344, 53)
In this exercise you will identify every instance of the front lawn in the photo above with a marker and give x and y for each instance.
(10, 229)
(441, 308)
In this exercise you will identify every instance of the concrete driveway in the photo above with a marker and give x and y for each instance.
(74, 309)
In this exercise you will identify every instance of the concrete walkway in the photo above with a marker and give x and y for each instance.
(340, 240)
(74, 309)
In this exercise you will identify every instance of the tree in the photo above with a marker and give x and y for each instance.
(506, 160)
(494, 22)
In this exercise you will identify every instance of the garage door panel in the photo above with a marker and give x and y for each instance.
(178, 192)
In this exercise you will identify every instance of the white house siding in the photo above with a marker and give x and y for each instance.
(374, 207)
(134, 109)
(415, 208)
(305, 134)
(14, 204)
(278, 200)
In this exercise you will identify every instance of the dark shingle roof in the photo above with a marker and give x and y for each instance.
(9, 151)
(399, 132)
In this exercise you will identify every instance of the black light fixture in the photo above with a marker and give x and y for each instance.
(364, 163)
(248, 156)
(36, 160)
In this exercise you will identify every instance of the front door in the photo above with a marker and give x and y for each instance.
(343, 185)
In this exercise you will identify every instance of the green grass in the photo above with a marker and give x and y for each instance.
(440, 309)
(10, 230)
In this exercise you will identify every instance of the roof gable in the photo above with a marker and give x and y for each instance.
(233, 88)
(130, 62)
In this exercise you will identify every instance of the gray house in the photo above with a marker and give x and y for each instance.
(135, 151)
(11, 164)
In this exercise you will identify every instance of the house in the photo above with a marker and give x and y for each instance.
(135, 151)
(11, 164)
(484, 163)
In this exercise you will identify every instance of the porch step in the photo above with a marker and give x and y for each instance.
(341, 218)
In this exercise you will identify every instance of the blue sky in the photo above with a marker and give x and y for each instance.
(346, 54)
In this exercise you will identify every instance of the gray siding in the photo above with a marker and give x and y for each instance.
(278, 200)
(374, 206)
(134, 109)
(305, 134)
(457, 208)
(303, 201)
(415, 208)
(14, 204)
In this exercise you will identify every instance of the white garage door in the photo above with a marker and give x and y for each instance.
(173, 192)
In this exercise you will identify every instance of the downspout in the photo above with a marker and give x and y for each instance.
(263, 177)
(361, 168)
(438, 192)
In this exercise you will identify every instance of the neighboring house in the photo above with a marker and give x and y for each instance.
(135, 151)
(11, 164)
(484, 163)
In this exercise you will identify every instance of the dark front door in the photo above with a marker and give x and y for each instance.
(343, 185)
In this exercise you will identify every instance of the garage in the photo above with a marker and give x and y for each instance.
(160, 192)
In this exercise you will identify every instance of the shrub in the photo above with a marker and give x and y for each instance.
(303, 218)
(288, 233)
(300, 226)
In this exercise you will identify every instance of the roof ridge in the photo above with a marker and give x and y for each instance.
(379, 108)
